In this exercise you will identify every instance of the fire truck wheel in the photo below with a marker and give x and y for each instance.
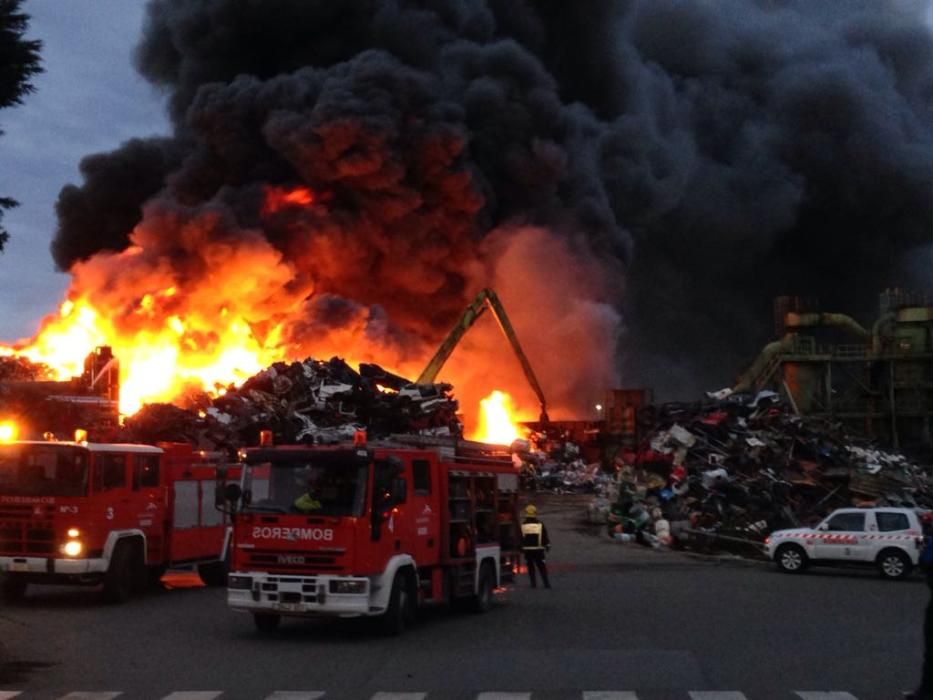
(154, 575)
(267, 623)
(213, 574)
(401, 610)
(791, 558)
(894, 564)
(482, 601)
(123, 576)
(14, 588)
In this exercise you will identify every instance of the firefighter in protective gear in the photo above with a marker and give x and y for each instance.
(310, 501)
(535, 543)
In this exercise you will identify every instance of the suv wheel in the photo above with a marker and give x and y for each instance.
(894, 564)
(791, 558)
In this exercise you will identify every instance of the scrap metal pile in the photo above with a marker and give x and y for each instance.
(723, 474)
(554, 464)
(303, 402)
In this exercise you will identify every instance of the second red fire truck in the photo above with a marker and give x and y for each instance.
(117, 514)
(371, 529)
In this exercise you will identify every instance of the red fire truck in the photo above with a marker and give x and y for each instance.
(387, 526)
(90, 513)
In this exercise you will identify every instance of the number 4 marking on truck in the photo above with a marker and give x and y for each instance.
(109, 512)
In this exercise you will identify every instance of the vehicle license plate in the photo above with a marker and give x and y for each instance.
(19, 566)
(287, 607)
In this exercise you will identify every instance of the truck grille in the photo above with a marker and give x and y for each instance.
(292, 560)
(27, 529)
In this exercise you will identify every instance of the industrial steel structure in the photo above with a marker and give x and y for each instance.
(879, 380)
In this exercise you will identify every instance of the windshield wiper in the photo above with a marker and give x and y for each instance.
(268, 508)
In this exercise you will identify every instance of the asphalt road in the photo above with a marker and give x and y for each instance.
(619, 618)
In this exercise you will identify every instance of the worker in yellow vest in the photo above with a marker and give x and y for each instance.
(310, 500)
(535, 543)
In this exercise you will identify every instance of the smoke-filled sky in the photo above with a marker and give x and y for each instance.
(89, 99)
(637, 178)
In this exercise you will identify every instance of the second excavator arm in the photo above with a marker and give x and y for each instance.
(486, 299)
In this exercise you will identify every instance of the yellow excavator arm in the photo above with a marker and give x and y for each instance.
(486, 299)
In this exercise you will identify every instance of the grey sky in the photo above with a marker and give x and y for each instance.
(89, 99)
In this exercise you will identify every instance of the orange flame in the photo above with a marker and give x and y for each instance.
(157, 363)
(497, 420)
(278, 198)
(233, 308)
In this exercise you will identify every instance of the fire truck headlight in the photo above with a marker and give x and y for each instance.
(72, 548)
(348, 587)
(240, 583)
(73, 532)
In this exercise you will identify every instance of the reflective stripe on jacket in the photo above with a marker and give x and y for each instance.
(532, 536)
(307, 503)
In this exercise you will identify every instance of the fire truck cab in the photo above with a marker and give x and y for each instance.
(371, 529)
(117, 514)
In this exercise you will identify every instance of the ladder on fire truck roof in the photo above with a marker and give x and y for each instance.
(458, 450)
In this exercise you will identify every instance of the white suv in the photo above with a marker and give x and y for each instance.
(888, 538)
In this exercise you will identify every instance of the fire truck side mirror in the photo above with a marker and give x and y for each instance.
(399, 489)
(232, 493)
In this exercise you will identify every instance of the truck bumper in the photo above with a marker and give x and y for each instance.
(38, 566)
(302, 596)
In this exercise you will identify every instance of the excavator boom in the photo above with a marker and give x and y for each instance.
(486, 299)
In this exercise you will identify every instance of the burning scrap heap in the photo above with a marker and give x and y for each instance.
(303, 402)
(32, 398)
(732, 470)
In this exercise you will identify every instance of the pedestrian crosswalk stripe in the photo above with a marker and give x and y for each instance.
(389, 695)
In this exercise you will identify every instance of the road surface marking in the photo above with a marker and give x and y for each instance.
(7, 694)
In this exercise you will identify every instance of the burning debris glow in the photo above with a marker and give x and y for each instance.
(497, 420)
(7, 431)
(157, 363)
(278, 199)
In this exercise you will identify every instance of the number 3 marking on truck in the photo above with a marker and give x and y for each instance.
(109, 512)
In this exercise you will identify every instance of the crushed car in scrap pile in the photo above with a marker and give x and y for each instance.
(311, 402)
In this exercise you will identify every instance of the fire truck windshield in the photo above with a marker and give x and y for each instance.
(311, 485)
(43, 470)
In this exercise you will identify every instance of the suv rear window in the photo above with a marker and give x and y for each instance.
(889, 522)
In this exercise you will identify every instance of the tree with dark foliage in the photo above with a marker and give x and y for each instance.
(19, 61)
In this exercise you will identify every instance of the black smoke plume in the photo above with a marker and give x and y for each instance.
(701, 156)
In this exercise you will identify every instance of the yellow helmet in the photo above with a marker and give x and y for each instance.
(530, 510)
